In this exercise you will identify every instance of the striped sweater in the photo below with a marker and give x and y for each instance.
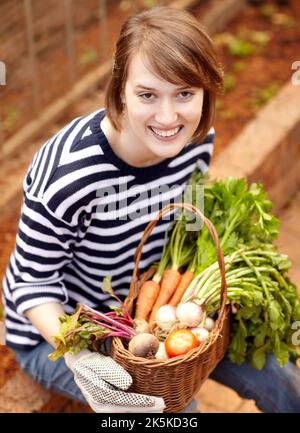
(83, 214)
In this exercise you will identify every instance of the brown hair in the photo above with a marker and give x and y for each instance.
(178, 49)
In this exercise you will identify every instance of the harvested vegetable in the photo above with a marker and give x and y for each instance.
(88, 328)
(146, 299)
(266, 303)
(189, 314)
(209, 323)
(180, 254)
(150, 289)
(185, 281)
(240, 214)
(144, 345)
(202, 334)
(166, 317)
(180, 342)
(140, 326)
(161, 353)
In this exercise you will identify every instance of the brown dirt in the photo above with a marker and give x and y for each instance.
(17, 106)
(270, 65)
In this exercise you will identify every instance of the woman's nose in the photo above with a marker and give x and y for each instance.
(166, 114)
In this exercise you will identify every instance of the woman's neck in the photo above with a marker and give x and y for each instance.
(120, 145)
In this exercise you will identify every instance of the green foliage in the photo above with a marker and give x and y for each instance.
(229, 82)
(240, 48)
(238, 66)
(245, 43)
(11, 115)
(271, 12)
(89, 56)
(263, 96)
(266, 302)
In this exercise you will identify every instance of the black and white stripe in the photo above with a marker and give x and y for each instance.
(69, 238)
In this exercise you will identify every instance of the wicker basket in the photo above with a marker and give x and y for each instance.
(177, 379)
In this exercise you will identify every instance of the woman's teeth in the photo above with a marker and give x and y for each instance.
(168, 133)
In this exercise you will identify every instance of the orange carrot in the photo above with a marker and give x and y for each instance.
(185, 281)
(146, 299)
(170, 281)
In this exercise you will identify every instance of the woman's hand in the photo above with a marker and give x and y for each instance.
(103, 383)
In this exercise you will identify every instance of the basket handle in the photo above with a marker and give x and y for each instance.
(212, 231)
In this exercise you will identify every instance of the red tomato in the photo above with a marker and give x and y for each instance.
(180, 342)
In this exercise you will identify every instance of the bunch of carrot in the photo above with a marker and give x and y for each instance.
(175, 272)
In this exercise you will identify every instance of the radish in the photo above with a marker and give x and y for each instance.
(209, 323)
(161, 353)
(189, 314)
(166, 316)
(201, 333)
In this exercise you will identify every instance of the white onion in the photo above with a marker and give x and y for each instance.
(166, 316)
(189, 314)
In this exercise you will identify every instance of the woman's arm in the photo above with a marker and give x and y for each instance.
(45, 318)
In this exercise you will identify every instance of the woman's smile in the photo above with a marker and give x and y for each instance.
(165, 134)
(156, 112)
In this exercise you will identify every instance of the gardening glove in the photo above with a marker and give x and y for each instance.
(103, 383)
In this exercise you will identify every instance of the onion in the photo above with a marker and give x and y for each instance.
(166, 316)
(189, 314)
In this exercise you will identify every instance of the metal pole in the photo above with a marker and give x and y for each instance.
(70, 39)
(32, 55)
(103, 29)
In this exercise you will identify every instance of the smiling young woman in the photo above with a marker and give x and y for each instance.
(159, 118)
(161, 95)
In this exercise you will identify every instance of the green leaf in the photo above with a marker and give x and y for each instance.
(106, 285)
(258, 357)
(275, 315)
(281, 351)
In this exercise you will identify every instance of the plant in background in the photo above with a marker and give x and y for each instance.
(88, 56)
(262, 96)
(271, 12)
(229, 82)
(11, 115)
(238, 66)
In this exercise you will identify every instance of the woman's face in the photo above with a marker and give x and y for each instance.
(159, 117)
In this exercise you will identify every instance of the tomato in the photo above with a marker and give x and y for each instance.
(180, 342)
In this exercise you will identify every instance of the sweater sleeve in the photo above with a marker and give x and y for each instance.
(43, 247)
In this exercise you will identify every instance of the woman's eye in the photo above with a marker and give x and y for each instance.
(185, 94)
(146, 96)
